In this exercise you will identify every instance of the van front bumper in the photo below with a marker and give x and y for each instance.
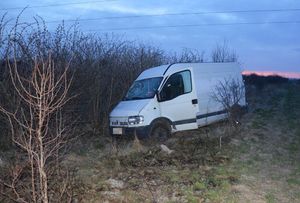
(141, 132)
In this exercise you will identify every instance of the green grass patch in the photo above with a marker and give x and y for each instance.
(243, 148)
(212, 186)
(264, 113)
(191, 198)
(293, 181)
(293, 147)
(199, 186)
(219, 192)
(182, 176)
(213, 195)
(270, 198)
(292, 107)
(173, 176)
(260, 135)
(257, 124)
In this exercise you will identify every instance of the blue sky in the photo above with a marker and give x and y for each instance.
(265, 47)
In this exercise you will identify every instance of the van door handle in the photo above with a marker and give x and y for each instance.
(195, 101)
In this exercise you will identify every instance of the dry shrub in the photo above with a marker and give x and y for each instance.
(229, 93)
(222, 53)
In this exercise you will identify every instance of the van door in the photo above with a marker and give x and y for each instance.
(178, 101)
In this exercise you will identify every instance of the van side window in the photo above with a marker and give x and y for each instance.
(177, 84)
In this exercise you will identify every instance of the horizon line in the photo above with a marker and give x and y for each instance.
(290, 75)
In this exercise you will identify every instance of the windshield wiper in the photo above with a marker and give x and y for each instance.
(133, 98)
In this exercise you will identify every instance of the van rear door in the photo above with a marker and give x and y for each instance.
(178, 101)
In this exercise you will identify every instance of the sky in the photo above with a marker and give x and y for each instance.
(260, 47)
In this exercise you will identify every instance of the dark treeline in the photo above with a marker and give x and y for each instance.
(261, 81)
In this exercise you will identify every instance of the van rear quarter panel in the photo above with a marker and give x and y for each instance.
(206, 77)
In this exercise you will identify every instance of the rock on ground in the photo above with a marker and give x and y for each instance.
(166, 149)
(118, 184)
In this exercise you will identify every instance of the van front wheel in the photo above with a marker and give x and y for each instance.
(160, 132)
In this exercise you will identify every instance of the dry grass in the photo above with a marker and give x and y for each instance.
(258, 162)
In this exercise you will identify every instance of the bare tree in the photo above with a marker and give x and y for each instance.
(186, 56)
(229, 93)
(222, 53)
(37, 125)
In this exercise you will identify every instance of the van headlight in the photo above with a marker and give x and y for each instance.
(133, 120)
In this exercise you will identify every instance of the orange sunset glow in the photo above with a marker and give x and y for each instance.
(292, 75)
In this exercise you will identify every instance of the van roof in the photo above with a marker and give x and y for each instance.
(159, 71)
(153, 72)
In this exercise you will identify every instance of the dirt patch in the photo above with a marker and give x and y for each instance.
(247, 194)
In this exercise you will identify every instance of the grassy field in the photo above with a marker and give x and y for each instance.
(257, 162)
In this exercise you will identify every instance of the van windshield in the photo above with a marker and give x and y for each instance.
(143, 89)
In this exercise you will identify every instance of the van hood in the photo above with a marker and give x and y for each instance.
(129, 108)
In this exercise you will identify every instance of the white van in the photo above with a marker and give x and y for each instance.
(171, 98)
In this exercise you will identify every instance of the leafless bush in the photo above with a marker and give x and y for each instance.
(186, 56)
(229, 93)
(222, 53)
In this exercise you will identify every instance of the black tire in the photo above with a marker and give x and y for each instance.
(160, 132)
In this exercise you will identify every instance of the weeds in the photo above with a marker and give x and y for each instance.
(270, 198)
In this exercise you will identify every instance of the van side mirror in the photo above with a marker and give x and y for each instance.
(158, 96)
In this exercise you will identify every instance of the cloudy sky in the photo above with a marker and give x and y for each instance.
(271, 46)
